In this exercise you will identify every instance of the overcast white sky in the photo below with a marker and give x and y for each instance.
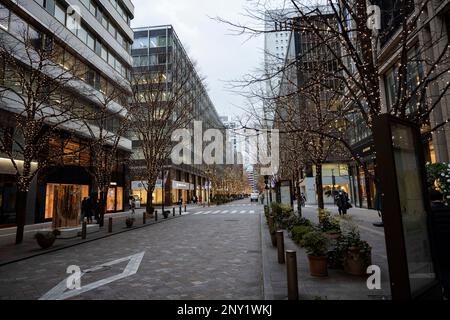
(220, 56)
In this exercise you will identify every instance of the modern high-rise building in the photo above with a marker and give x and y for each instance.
(100, 44)
(276, 43)
(153, 53)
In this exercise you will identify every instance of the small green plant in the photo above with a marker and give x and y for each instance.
(294, 221)
(352, 240)
(327, 223)
(281, 212)
(298, 233)
(315, 243)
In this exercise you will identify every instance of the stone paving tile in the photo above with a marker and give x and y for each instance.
(194, 257)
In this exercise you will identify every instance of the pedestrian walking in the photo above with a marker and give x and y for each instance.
(89, 209)
(97, 210)
(84, 209)
(303, 200)
(262, 198)
(132, 204)
(342, 201)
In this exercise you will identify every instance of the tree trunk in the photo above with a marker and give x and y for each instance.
(298, 194)
(319, 186)
(102, 204)
(21, 212)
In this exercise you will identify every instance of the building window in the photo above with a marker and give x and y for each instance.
(136, 61)
(4, 17)
(90, 41)
(103, 52)
(140, 43)
(93, 8)
(112, 30)
(82, 34)
(17, 26)
(60, 14)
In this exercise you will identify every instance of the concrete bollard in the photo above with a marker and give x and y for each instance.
(110, 225)
(156, 215)
(83, 230)
(280, 247)
(292, 281)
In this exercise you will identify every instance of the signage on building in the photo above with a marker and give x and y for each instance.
(181, 185)
(143, 185)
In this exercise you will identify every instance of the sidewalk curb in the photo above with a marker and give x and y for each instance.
(88, 241)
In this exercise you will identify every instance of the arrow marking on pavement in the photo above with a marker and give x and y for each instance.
(60, 291)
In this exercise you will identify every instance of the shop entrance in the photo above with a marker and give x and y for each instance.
(63, 204)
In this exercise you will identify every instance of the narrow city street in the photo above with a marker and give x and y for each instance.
(211, 253)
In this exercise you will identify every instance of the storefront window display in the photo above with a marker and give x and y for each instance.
(63, 204)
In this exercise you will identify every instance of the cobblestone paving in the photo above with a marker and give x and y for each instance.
(194, 257)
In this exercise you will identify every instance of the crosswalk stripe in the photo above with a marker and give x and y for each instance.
(197, 213)
(206, 212)
(234, 211)
(243, 211)
(225, 211)
(216, 212)
(252, 211)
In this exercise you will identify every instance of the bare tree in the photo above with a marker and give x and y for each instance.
(38, 92)
(164, 100)
(107, 122)
(421, 59)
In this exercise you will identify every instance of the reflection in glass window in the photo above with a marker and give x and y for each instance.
(17, 26)
(60, 14)
(90, 41)
(153, 42)
(82, 34)
(140, 43)
(4, 17)
(136, 61)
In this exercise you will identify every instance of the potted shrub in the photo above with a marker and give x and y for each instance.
(295, 221)
(166, 214)
(316, 245)
(357, 254)
(129, 222)
(298, 232)
(272, 230)
(329, 225)
(46, 239)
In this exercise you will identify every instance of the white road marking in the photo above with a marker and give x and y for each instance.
(234, 211)
(206, 212)
(216, 212)
(225, 211)
(252, 211)
(60, 291)
(243, 211)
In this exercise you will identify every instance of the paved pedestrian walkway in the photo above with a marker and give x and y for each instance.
(338, 285)
(197, 257)
(10, 252)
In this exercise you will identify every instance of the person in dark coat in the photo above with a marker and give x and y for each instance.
(89, 209)
(83, 209)
(342, 202)
(97, 210)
